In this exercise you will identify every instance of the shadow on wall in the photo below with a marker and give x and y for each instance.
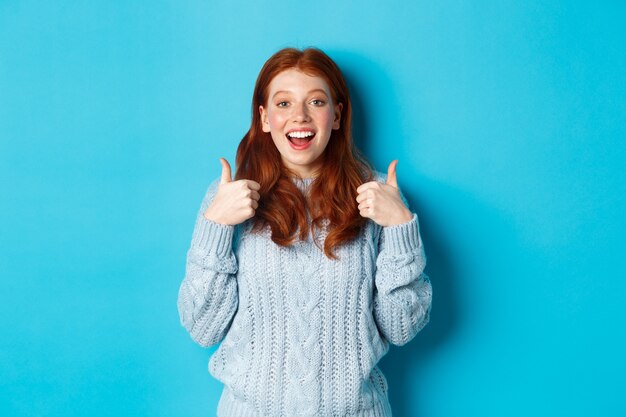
(403, 365)
(358, 72)
(454, 261)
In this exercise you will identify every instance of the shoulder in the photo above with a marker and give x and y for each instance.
(212, 188)
(380, 176)
(210, 192)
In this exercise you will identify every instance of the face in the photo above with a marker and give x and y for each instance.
(300, 116)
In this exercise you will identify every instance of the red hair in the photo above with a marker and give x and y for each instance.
(333, 194)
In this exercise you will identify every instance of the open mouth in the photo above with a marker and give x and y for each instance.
(300, 138)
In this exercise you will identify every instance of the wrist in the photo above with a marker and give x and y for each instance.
(209, 215)
(403, 238)
(211, 237)
(404, 217)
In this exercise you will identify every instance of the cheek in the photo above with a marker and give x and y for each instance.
(277, 123)
(325, 118)
(276, 120)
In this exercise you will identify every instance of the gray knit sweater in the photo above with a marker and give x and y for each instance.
(302, 333)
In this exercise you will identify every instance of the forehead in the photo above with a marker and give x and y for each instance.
(296, 81)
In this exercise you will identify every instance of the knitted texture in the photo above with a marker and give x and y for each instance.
(302, 334)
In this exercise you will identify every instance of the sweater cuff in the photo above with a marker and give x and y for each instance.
(213, 237)
(403, 238)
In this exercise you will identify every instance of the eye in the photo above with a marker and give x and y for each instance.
(282, 104)
(318, 102)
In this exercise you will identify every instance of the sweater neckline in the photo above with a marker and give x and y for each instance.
(302, 183)
(303, 180)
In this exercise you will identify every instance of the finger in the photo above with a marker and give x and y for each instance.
(391, 174)
(226, 174)
(255, 195)
(250, 212)
(367, 186)
(365, 195)
(253, 185)
(254, 204)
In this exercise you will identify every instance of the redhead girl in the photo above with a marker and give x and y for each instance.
(307, 264)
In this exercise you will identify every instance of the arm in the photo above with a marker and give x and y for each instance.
(208, 295)
(403, 295)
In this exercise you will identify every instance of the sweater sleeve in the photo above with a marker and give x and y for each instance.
(208, 294)
(403, 295)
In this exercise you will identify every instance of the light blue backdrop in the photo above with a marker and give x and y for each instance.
(507, 117)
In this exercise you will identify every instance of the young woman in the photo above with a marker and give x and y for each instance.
(306, 265)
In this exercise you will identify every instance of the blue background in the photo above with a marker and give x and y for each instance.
(507, 117)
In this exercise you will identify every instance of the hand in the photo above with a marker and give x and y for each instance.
(235, 201)
(381, 202)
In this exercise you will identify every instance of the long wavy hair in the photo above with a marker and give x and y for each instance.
(332, 195)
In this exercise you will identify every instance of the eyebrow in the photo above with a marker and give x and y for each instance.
(312, 91)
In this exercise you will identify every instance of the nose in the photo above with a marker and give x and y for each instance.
(301, 113)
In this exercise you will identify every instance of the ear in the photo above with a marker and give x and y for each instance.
(337, 121)
(265, 124)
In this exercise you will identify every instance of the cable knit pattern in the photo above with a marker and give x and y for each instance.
(303, 359)
(302, 334)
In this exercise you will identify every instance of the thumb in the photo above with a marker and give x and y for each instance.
(391, 174)
(226, 176)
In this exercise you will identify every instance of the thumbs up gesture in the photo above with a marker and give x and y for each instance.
(381, 202)
(235, 201)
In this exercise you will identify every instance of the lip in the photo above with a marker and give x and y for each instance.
(301, 129)
(300, 147)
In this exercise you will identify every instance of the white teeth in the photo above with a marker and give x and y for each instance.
(304, 134)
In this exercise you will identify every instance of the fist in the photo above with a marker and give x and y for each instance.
(235, 201)
(381, 202)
